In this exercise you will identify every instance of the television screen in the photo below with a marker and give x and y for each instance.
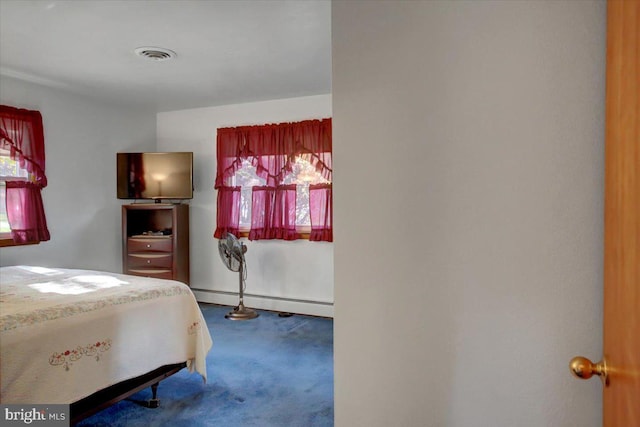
(155, 175)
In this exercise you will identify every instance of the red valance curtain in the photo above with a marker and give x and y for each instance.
(272, 149)
(22, 135)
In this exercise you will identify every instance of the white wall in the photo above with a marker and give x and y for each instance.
(82, 137)
(284, 276)
(468, 153)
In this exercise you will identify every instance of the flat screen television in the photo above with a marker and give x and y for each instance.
(155, 176)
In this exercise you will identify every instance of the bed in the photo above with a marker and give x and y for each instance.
(88, 338)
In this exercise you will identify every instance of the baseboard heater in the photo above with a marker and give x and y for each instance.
(296, 300)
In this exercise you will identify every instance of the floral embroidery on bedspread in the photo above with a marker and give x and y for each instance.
(14, 321)
(193, 328)
(68, 356)
(9, 294)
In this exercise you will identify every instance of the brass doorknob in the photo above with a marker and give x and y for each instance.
(584, 368)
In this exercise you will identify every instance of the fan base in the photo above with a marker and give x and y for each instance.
(241, 313)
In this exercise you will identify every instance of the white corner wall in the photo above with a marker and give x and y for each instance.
(468, 211)
(283, 276)
(82, 137)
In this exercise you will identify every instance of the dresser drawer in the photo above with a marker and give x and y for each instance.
(163, 260)
(157, 273)
(137, 244)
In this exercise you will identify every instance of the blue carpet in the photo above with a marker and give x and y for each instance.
(268, 371)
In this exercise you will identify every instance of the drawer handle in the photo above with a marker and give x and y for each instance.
(148, 261)
(148, 246)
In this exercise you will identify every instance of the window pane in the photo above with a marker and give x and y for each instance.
(245, 207)
(302, 175)
(10, 168)
(302, 205)
(246, 178)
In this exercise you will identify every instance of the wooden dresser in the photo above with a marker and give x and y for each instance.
(155, 240)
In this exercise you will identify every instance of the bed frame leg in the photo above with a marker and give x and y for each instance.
(154, 402)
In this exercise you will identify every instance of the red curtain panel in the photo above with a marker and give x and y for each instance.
(22, 135)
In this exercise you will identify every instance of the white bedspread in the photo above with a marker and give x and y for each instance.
(64, 334)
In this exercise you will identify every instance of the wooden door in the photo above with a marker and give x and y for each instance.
(622, 216)
(620, 367)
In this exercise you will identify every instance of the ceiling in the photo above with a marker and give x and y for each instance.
(228, 52)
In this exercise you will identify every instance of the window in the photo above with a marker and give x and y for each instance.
(22, 177)
(9, 169)
(274, 181)
(302, 175)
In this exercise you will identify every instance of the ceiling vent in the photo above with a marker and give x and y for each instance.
(155, 53)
